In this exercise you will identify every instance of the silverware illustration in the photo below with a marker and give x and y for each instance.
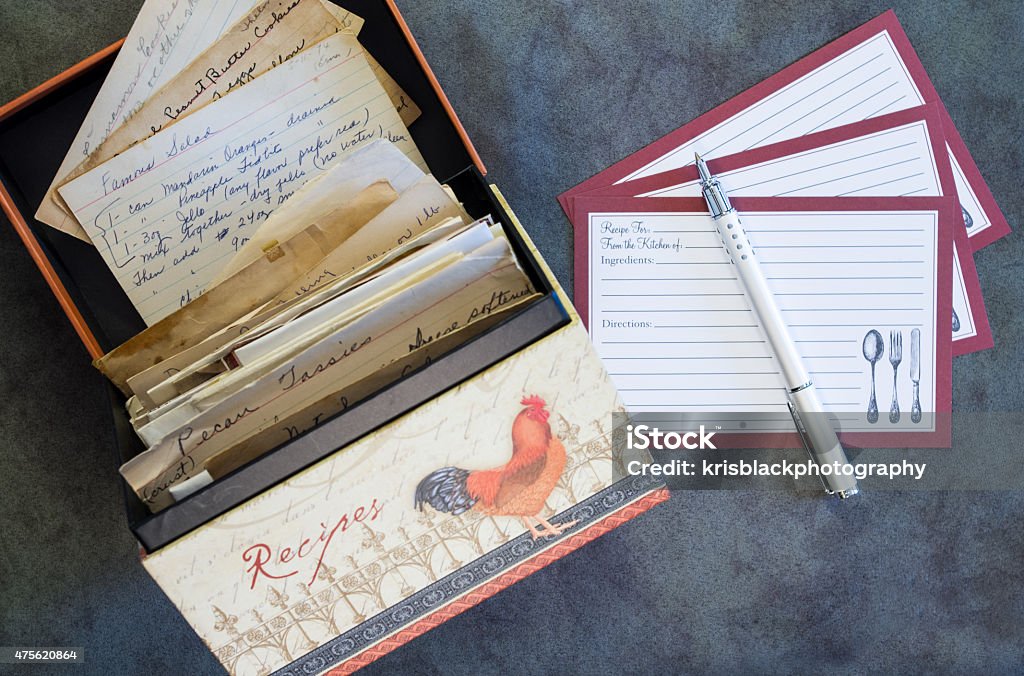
(956, 322)
(915, 373)
(968, 221)
(873, 348)
(895, 357)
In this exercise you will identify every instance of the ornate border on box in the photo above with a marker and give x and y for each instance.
(478, 581)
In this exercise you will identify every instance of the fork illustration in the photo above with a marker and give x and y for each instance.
(895, 357)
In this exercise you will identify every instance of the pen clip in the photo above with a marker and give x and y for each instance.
(801, 431)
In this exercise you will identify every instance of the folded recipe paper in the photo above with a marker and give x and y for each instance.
(423, 206)
(672, 321)
(282, 285)
(868, 72)
(898, 154)
(167, 214)
(184, 394)
(205, 346)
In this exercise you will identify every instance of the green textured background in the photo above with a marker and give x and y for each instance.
(552, 92)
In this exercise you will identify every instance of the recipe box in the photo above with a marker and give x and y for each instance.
(312, 557)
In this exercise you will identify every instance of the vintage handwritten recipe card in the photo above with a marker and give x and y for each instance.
(167, 212)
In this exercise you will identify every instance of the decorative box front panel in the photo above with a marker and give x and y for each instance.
(375, 538)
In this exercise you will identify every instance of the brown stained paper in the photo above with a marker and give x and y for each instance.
(172, 210)
(348, 21)
(421, 207)
(165, 37)
(378, 161)
(290, 333)
(277, 314)
(269, 35)
(405, 106)
(434, 347)
(477, 286)
(248, 289)
(202, 382)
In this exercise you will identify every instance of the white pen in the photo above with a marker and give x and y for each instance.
(809, 416)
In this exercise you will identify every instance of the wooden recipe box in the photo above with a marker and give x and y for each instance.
(363, 570)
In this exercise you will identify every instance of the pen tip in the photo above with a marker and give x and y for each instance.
(702, 168)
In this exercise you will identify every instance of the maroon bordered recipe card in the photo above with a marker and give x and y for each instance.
(670, 318)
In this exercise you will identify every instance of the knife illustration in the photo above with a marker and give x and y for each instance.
(915, 373)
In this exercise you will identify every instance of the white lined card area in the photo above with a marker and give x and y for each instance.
(671, 320)
(889, 163)
(866, 81)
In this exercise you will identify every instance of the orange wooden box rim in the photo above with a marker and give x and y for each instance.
(32, 244)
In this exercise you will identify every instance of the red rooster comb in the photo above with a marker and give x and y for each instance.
(533, 401)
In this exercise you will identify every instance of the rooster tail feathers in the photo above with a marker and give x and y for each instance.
(445, 490)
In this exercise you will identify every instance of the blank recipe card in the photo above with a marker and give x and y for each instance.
(853, 277)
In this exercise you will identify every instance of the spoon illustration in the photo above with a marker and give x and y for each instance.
(956, 322)
(968, 221)
(873, 348)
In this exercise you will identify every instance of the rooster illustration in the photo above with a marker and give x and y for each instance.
(519, 488)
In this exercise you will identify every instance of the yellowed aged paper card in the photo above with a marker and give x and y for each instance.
(426, 349)
(405, 106)
(418, 209)
(199, 388)
(246, 290)
(377, 161)
(350, 22)
(403, 103)
(166, 36)
(147, 350)
(202, 379)
(267, 36)
(452, 297)
(170, 212)
(204, 382)
(270, 34)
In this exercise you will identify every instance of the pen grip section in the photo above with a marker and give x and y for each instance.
(762, 302)
(819, 437)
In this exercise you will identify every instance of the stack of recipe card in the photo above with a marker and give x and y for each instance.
(865, 208)
(257, 194)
